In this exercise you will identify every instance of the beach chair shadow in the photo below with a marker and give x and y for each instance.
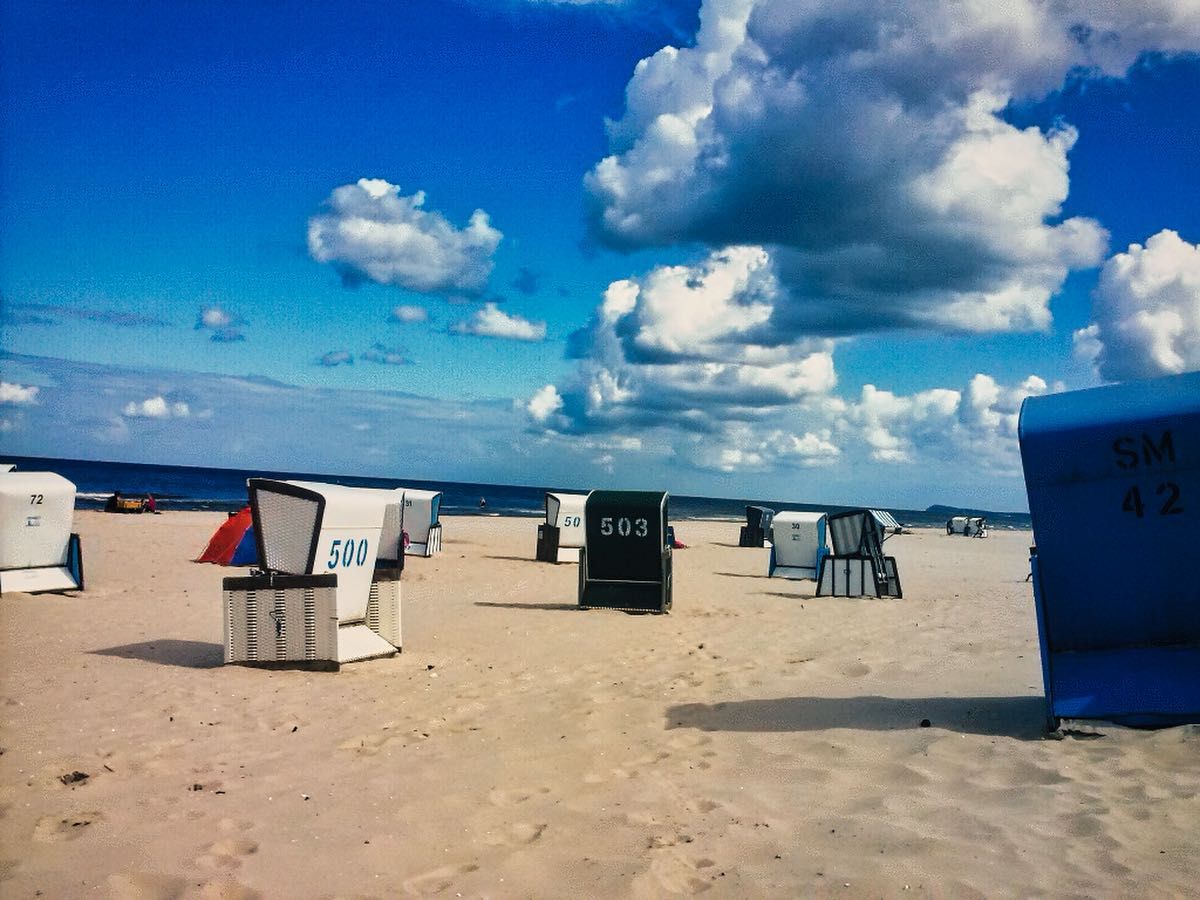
(545, 607)
(1016, 717)
(170, 652)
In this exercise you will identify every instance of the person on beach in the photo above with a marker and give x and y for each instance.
(149, 505)
(111, 504)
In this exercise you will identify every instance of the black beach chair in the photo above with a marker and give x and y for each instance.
(758, 526)
(626, 559)
(857, 566)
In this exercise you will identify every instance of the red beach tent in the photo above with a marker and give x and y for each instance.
(233, 543)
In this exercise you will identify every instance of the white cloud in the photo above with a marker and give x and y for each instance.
(1147, 311)
(978, 424)
(157, 407)
(689, 346)
(491, 321)
(370, 231)
(18, 394)
(544, 404)
(408, 313)
(336, 358)
(860, 142)
(224, 327)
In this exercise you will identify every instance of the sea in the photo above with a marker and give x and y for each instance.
(195, 488)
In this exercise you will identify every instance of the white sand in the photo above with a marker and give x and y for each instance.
(756, 742)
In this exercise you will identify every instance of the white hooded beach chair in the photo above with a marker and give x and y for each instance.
(626, 559)
(329, 588)
(887, 522)
(38, 551)
(421, 520)
(560, 537)
(798, 544)
(969, 526)
(857, 566)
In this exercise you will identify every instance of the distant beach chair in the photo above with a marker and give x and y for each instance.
(560, 537)
(328, 591)
(38, 551)
(758, 526)
(857, 567)
(625, 562)
(798, 544)
(1113, 479)
(887, 522)
(970, 526)
(422, 521)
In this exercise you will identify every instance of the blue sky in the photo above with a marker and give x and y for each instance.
(816, 258)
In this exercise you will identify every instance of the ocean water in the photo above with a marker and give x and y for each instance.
(187, 487)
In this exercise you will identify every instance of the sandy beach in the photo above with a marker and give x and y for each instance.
(755, 742)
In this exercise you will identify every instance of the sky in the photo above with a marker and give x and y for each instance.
(735, 248)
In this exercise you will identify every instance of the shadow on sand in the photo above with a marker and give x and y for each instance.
(740, 575)
(1016, 717)
(514, 558)
(171, 652)
(551, 607)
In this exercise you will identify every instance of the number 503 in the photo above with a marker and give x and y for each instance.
(624, 527)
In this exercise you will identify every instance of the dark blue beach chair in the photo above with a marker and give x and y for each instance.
(1113, 476)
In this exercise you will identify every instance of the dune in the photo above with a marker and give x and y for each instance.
(757, 741)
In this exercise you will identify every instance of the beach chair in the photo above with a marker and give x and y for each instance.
(887, 522)
(38, 551)
(1113, 479)
(758, 526)
(328, 591)
(560, 537)
(625, 562)
(421, 518)
(857, 567)
(798, 544)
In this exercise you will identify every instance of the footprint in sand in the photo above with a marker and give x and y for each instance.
(365, 745)
(687, 740)
(855, 670)
(514, 834)
(145, 886)
(513, 796)
(674, 873)
(437, 880)
(227, 853)
(53, 829)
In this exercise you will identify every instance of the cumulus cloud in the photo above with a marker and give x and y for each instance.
(1147, 311)
(685, 354)
(223, 326)
(12, 394)
(490, 321)
(157, 407)
(686, 345)
(978, 423)
(336, 358)
(862, 144)
(370, 231)
(544, 405)
(409, 313)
